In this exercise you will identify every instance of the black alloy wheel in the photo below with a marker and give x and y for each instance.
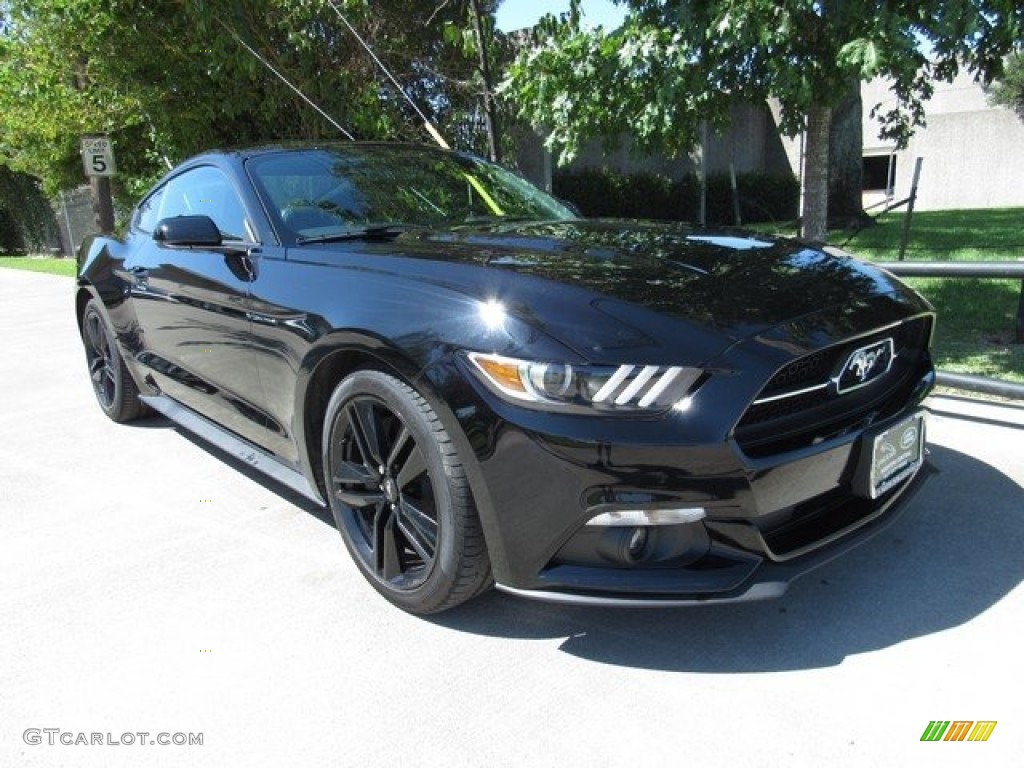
(112, 384)
(399, 495)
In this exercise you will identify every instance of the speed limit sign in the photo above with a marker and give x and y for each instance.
(98, 156)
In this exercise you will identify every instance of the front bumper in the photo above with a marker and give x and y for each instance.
(764, 579)
(768, 520)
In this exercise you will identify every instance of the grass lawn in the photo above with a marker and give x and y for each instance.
(976, 318)
(54, 266)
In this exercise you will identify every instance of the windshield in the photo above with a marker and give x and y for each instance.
(317, 192)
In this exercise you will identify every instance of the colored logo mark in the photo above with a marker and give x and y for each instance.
(958, 730)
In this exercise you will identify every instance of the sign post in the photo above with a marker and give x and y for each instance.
(98, 160)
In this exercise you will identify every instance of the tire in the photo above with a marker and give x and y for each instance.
(400, 497)
(112, 384)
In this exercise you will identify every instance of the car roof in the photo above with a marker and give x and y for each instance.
(246, 153)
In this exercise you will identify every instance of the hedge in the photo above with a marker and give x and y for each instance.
(27, 221)
(606, 192)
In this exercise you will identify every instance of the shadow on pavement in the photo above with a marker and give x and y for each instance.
(954, 554)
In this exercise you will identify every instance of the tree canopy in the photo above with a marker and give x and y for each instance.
(168, 78)
(1008, 91)
(674, 64)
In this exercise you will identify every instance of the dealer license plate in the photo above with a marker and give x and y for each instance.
(896, 454)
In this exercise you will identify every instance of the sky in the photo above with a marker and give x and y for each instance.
(516, 14)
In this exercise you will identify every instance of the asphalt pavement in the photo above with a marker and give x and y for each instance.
(148, 586)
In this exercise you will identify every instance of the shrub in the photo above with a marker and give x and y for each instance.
(27, 221)
(612, 193)
(599, 192)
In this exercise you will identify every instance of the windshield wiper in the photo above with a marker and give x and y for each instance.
(382, 231)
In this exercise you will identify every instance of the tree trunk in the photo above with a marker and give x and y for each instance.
(814, 216)
(846, 165)
(490, 108)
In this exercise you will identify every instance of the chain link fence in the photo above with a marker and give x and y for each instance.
(75, 219)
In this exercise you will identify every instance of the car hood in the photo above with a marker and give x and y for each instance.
(599, 286)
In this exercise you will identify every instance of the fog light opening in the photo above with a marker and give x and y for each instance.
(636, 544)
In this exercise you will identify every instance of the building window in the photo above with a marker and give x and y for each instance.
(880, 173)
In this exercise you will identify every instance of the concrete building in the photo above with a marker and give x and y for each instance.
(973, 152)
(751, 144)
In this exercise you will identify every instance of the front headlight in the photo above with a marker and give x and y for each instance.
(622, 388)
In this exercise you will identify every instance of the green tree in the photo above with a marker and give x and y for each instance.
(169, 78)
(163, 79)
(674, 64)
(1008, 91)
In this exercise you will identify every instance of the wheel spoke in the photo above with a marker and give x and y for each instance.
(350, 473)
(358, 499)
(104, 342)
(91, 333)
(419, 529)
(414, 466)
(356, 485)
(365, 430)
(400, 443)
(385, 549)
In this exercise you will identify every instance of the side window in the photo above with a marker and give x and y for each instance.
(149, 212)
(205, 191)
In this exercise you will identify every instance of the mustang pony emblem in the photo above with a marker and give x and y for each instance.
(863, 361)
(865, 365)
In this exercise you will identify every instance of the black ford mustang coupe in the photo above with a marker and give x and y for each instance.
(487, 388)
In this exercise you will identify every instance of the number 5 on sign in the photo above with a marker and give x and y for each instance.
(98, 156)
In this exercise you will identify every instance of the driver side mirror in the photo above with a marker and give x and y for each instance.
(187, 231)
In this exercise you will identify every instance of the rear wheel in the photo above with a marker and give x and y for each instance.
(400, 497)
(113, 386)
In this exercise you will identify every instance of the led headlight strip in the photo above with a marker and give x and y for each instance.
(625, 387)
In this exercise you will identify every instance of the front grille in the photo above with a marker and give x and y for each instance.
(800, 405)
(777, 409)
(803, 372)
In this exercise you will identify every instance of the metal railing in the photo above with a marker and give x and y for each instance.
(1013, 270)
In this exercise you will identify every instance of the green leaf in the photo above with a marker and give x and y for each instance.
(862, 56)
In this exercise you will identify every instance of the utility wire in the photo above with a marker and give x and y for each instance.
(434, 133)
(287, 82)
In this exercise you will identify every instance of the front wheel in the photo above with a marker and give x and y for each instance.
(399, 495)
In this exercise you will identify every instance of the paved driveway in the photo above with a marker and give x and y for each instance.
(146, 586)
